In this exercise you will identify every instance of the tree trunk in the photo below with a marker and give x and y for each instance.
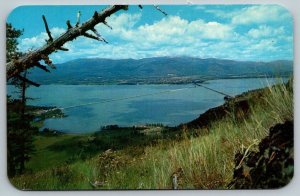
(23, 96)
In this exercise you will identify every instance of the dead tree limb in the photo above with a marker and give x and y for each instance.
(47, 29)
(63, 49)
(91, 36)
(98, 35)
(42, 67)
(24, 79)
(69, 24)
(105, 23)
(159, 9)
(78, 19)
(31, 59)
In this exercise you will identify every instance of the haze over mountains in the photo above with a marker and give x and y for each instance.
(157, 70)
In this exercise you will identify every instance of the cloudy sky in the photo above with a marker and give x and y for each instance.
(238, 32)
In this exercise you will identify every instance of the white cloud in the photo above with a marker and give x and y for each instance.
(32, 43)
(124, 20)
(255, 14)
(170, 36)
(39, 40)
(264, 45)
(260, 14)
(55, 32)
(211, 30)
(265, 31)
(172, 29)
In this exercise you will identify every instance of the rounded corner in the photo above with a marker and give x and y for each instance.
(13, 10)
(13, 185)
(286, 9)
(288, 183)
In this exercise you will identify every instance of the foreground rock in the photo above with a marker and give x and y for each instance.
(272, 166)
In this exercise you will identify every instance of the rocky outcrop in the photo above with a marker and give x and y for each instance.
(272, 166)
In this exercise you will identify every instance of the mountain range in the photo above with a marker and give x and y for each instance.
(156, 70)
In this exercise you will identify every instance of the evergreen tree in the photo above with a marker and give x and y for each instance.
(12, 35)
(19, 137)
(19, 130)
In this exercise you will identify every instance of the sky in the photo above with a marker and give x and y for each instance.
(236, 32)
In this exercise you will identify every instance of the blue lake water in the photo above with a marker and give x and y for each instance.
(88, 107)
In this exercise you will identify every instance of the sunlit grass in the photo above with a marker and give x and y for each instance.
(208, 161)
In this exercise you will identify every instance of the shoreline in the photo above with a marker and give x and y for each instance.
(177, 80)
(239, 102)
(212, 111)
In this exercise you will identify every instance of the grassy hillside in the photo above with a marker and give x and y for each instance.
(199, 157)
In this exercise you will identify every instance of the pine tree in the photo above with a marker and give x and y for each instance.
(19, 138)
(19, 131)
(12, 35)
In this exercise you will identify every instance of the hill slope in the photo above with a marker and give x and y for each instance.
(156, 70)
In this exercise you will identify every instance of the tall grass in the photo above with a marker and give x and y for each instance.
(280, 100)
(203, 162)
(208, 161)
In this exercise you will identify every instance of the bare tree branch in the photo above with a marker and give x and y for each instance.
(48, 61)
(69, 25)
(102, 39)
(27, 81)
(78, 19)
(42, 67)
(158, 8)
(98, 35)
(105, 23)
(63, 49)
(91, 36)
(47, 29)
(96, 32)
(15, 67)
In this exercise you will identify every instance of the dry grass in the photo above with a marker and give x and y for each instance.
(207, 161)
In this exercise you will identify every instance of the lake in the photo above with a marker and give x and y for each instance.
(88, 107)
